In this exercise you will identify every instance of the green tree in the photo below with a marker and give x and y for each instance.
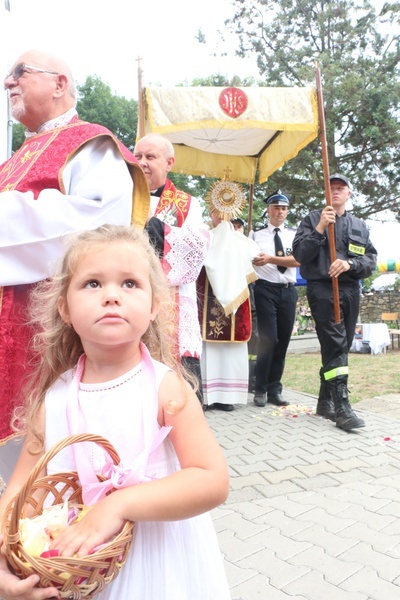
(357, 49)
(97, 104)
(18, 136)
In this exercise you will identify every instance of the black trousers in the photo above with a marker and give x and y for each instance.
(276, 310)
(335, 338)
(192, 365)
(252, 344)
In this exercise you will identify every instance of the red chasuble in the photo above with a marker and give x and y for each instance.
(173, 202)
(36, 166)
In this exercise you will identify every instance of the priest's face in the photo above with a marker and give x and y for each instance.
(151, 155)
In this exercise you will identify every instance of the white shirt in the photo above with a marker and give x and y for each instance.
(98, 190)
(265, 240)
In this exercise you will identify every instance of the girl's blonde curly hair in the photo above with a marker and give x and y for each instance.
(57, 347)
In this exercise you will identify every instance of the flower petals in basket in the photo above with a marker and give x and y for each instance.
(74, 577)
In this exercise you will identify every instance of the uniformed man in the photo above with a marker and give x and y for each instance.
(355, 260)
(275, 299)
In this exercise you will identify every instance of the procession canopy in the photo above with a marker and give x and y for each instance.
(248, 130)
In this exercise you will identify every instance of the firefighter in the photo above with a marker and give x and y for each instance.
(355, 259)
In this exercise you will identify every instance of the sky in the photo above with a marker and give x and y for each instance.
(385, 237)
(105, 38)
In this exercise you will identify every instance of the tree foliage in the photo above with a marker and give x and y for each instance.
(357, 49)
(18, 136)
(97, 104)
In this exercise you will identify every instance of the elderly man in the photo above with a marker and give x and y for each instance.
(355, 260)
(67, 176)
(181, 238)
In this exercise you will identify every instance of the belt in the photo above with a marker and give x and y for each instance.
(281, 285)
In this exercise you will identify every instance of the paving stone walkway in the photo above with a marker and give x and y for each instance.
(314, 512)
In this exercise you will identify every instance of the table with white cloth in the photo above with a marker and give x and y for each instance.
(377, 336)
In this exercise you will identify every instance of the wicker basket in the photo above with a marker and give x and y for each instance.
(75, 578)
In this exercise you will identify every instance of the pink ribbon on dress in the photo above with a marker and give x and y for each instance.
(116, 476)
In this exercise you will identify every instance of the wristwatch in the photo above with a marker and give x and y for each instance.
(352, 264)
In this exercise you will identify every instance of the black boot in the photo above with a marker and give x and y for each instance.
(325, 405)
(346, 418)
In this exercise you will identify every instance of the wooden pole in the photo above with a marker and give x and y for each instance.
(325, 164)
(140, 128)
(250, 213)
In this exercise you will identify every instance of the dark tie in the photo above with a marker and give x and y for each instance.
(279, 248)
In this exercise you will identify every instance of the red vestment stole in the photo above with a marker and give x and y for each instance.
(36, 166)
(173, 202)
(173, 206)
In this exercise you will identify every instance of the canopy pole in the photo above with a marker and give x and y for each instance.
(325, 164)
(140, 129)
(250, 214)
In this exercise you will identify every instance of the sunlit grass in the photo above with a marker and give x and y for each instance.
(369, 375)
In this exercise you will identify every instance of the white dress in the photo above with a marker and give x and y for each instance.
(178, 560)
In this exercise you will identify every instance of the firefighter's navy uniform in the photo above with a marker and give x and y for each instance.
(311, 249)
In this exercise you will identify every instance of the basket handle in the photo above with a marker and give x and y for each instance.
(55, 449)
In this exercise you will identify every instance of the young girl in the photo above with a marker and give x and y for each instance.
(96, 375)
